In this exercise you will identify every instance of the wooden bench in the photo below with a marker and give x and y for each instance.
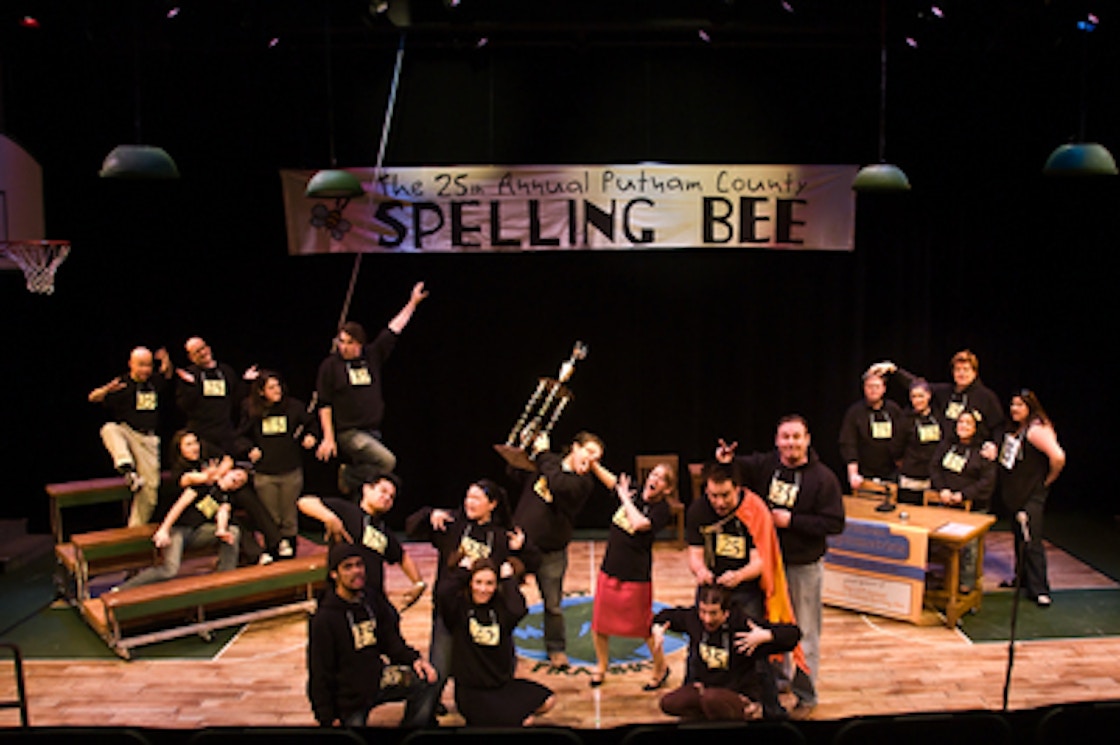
(88, 555)
(200, 604)
(84, 493)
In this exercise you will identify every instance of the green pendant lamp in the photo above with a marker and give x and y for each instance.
(334, 183)
(881, 176)
(139, 162)
(1080, 158)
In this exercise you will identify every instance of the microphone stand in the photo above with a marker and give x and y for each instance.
(1015, 609)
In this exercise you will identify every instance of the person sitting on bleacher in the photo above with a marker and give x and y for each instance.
(200, 516)
(199, 464)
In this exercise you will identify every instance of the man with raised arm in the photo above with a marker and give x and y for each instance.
(351, 403)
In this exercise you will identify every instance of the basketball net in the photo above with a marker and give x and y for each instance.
(38, 260)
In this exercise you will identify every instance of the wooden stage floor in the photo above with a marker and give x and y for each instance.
(870, 666)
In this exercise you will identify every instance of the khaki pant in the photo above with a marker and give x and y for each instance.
(126, 446)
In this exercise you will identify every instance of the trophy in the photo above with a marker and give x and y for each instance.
(540, 414)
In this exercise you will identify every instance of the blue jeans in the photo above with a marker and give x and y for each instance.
(364, 447)
(418, 708)
(805, 582)
(439, 652)
(181, 538)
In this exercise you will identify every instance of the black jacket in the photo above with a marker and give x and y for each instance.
(346, 642)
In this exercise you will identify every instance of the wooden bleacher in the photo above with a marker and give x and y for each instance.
(85, 555)
(184, 605)
(200, 604)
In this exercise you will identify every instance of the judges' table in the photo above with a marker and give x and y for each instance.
(879, 563)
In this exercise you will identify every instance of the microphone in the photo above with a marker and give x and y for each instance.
(1024, 525)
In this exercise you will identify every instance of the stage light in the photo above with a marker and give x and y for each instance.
(29, 22)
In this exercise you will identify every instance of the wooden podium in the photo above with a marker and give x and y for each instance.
(879, 563)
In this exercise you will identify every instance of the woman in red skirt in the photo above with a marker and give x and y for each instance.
(624, 592)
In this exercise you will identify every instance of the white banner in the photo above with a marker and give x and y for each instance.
(533, 208)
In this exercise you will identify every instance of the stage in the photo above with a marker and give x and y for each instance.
(871, 666)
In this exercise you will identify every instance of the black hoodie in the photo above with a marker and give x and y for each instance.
(345, 643)
(817, 508)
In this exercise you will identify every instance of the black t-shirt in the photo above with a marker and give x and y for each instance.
(208, 495)
(278, 431)
(920, 437)
(379, 545)
(212, 403)
(549, 500)
(712, 658)
(628, 556)
(137, 404)
(352, 388)
(729, 546)
(476, 540)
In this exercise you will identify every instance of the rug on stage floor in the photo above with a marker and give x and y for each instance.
(1075, 614)
(1086, 600)
(58, 632)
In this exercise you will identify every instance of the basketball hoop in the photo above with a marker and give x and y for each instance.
(39, 260)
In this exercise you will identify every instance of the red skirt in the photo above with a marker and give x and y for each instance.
(622, 608)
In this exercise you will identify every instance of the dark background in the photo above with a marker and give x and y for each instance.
(685, 346)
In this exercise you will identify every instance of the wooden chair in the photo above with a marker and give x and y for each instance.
(643, 464)
(932, 498)
(696, 474)
(937, 560)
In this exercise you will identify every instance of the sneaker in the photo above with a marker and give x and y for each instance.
(266, 558)
(134, 481)
(285, 550)
(1044, 601)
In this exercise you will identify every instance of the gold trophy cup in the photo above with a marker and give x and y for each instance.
(541, 413)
